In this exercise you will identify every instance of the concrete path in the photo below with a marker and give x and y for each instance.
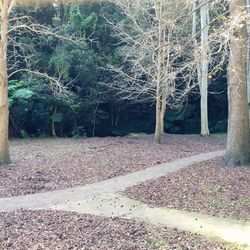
(116, 184)
(112, 204)
(102, 199)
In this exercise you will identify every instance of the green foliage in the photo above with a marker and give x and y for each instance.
(57, 117)
(82, 67)
(19, 91)
(24, 134)
(89, 22)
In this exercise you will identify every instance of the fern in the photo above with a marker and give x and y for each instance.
(18, 90)
(23, 94)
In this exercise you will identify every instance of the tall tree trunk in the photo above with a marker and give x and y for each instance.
(166, 65)
(157, 137)
(248, 57)
(237, 152)
(4, 111)
(204, 13)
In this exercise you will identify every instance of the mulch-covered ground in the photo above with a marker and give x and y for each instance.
(208, 187)
(60, 230)
(49, 164)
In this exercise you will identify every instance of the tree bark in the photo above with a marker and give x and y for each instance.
(248, 57)
(204, 13)
(163, 112)
(166, 65)
(53, 125)
(237, 152)
(157, 137)
(4, 110)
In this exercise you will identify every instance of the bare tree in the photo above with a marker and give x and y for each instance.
(231, 38)
(154, 64)
(203, 52)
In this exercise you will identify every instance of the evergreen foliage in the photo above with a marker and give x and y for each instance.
(92, 109)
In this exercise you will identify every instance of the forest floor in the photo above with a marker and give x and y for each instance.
(207, 187)
(45, 165)
(66, 230)
(52, 164)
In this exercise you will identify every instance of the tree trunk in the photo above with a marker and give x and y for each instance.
(53, 129)
(53, 126)
(94, 119)
(248, 57)
(4, 110)
(166, 58)
(163, 112)
(237, 152)
(157, 137)
(204, 13)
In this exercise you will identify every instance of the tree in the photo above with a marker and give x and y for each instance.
(5, 8)
(203, 63)
(154, 66)
(237, 152)
(67, 61)
(248, 55)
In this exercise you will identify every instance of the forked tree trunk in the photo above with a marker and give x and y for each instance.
(204, 14)
(237, 152)
(4, 111)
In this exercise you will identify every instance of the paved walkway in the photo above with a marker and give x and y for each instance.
(102, 199)
(111, 204)
(113, 185)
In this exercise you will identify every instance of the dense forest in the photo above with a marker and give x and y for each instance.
(92, 108)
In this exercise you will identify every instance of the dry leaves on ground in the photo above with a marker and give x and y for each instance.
(62, 230)
(208, 187)
(48, 164)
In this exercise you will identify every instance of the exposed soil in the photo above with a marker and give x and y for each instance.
(60, 230)
(49, 164)
(207, 187)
